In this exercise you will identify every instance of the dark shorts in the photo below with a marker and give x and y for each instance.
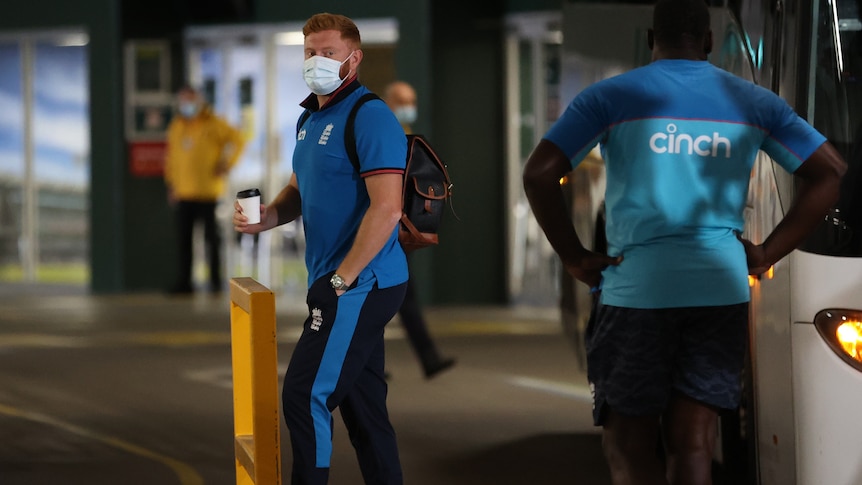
(636, 358)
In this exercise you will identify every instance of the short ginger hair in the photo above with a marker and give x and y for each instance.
(330, 21)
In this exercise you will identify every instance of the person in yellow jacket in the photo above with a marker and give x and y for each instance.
(202, 149)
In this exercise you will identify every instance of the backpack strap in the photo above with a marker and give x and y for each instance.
(349, 133)
(304, 116)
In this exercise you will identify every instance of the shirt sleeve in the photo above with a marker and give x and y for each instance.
(791, 139)
(582, 125)
(380, 141)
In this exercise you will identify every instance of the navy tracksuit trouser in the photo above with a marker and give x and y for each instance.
(339, 362)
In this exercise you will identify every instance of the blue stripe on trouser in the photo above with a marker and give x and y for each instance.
(341, 364)
(331, 363)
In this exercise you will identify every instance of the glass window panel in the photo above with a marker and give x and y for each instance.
(290, 91)
(61, 130)
(246, 109)
(527, 81)
(552, 80)
(836, 89)
(211, 65)
(11, 162)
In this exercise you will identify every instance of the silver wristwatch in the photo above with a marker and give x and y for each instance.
(338, 283)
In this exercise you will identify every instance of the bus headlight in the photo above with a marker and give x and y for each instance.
(842, 330)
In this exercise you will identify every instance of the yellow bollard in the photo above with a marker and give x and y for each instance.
(255, 383)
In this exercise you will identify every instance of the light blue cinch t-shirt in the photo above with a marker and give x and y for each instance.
(679, 139)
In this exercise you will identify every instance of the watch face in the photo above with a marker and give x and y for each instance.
(337, 282)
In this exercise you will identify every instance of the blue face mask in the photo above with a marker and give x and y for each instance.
(189, 110)
(406, 115)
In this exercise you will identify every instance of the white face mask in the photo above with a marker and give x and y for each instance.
(405, 115)
(322, 74)
(189, 109)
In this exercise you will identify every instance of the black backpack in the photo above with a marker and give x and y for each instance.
(426, 186)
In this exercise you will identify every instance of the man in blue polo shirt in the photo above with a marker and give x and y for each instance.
(357, 271)
(666, 341)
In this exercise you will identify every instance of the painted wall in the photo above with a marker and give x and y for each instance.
(469, 128)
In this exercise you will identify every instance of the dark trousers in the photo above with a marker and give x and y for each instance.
(188, 214)
(339, 362)
(416, 328)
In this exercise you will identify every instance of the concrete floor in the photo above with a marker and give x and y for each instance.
(135, 389)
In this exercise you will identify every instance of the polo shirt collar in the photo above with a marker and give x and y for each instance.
(351, 85)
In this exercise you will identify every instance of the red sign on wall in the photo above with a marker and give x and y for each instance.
(147, 158)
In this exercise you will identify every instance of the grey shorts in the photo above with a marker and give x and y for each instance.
(636, 358)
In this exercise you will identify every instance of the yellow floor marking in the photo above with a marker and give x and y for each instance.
(165, 339)
(463, 327)
(288, 334)
(42, 340)
(178, 338)
(578, 392)
(186, 474)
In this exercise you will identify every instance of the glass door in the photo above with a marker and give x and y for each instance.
(533, 49)
(61, 155)
(290, 91)
(12, 262)
(240, 69)
(44, 158)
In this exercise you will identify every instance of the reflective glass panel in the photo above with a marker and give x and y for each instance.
(11, 162)
(835, 93)
(61, 134)
(290, 91)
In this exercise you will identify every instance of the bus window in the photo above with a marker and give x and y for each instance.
(836, 85)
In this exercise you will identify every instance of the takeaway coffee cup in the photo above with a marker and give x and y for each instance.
(249, 200)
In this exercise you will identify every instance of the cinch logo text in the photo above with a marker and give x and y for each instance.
(703, 145)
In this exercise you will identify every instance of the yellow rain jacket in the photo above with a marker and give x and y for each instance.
(200, 153)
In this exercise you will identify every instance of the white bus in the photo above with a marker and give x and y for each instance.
(799, 421)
